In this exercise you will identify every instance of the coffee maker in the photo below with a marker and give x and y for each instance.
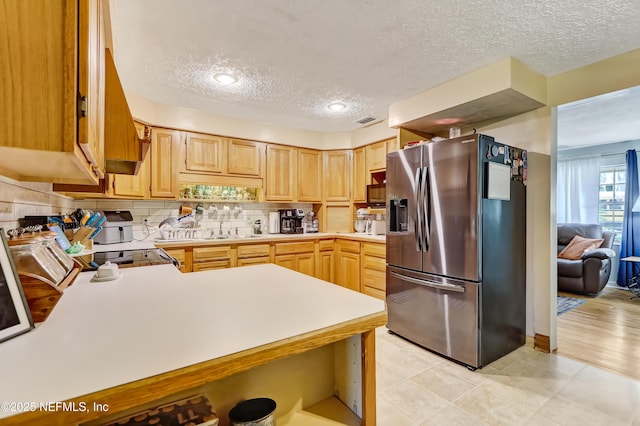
(291, 221)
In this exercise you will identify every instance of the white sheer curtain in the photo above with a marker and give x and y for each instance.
(578, 187)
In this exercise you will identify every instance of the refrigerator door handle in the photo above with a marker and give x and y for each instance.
(426, 204)
(439, 286)
(417, 192)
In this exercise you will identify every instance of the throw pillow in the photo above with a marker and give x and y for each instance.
(577, 246)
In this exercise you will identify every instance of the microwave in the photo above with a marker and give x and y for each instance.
(377, 195)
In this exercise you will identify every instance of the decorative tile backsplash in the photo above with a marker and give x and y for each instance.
(20, 199)
(232, 215)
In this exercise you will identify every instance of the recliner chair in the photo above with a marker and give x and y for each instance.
(589, 274)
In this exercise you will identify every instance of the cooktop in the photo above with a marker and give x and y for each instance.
(133, 258)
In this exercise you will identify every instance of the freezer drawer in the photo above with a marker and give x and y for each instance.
(437, 313)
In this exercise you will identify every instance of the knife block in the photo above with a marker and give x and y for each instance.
(42, 295)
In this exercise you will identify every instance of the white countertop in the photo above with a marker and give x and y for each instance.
(275, 237)
(155, 319)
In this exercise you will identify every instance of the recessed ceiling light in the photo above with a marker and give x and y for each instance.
(336, 106)
(224, 78)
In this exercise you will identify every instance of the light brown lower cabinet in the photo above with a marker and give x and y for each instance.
(303, 262)
(325, 265)
(253, 254)
(373, 271)
(348, 264)
(298, 256)
(286, 261)
(360, 266)
(215, 257)
(253, 261)
(182, 256)
(210, 265)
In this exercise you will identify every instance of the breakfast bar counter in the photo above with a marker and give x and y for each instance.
(154, 333)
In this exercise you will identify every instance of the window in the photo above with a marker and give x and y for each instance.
(611, 198)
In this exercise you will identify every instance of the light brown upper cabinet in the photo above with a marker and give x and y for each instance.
(164, 150)
(52, 86)
(309, 175)
(376, 156)
(245, 157)
(337, 175)
(205, 153)
(281, 170)
(212, 154)
(359, 176)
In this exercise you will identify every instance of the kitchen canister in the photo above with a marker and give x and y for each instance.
(274, 222)
(253, 412)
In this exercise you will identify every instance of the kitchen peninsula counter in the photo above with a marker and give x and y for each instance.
(155, 332)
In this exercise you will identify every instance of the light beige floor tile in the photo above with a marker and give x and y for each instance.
(539, 420)
(413, 400)
(567, 412)
(441, 382)
(509, 358)
(538, 364)
(486, 404)
(606, 392)
(388, 415)
(460, 371)
(520, 391)
(452, 416)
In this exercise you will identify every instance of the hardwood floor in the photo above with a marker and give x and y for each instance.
(604, 332)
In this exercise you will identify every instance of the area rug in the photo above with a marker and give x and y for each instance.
(565, 304)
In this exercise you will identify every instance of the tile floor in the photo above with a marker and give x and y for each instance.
(525, 387)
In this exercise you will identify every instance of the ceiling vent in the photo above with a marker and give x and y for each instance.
(366, 120)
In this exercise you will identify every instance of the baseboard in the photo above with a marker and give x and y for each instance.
(542, 343)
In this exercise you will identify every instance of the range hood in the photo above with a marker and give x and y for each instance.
(124, 150)
(495, 92)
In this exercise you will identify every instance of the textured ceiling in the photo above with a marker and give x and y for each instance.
(613, 117)
(293, 57)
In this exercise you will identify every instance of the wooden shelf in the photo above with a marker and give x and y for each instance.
(331, 411)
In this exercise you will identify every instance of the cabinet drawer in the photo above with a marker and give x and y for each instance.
(350, 246)
(372, 249)
(290, 248)
(254, 261)
(325, 245)
(375, 293)
(376, 263)
(177, 254)
(253, 250)
(374, 278)
(211, 253)
(207, 266)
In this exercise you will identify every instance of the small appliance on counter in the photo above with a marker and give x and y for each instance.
(377, 226)
(274, 222)
(117, 228)
(133, 258)
(360, 224)
(291, 221)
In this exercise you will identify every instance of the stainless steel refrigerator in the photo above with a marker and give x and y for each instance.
(456, 247)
